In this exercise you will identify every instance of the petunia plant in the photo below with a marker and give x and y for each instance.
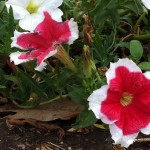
(93, 52)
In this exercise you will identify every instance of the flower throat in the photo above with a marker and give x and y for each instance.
(32, 8)
(126, 99)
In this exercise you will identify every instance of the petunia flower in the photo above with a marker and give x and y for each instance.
(146, 3)
(43, 42)
(30, 12)
(124, 103)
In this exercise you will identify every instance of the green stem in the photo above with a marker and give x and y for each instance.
(22, 106)
(139, 21)
(42, 103)
(142, 37)
(54, 99)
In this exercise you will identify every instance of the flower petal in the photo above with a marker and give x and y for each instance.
(74, 31)
(22, 3)
(15, 38)
(30, 21)
(129, 64)
(119, 138)
(146, 130)
(31, 41)
(18, 11)
(51, 3)
(15, 58)
(95, 100)
(132, 120)
(55, 31)
(147, 74)
(146, 3)
(56, 14)
(41, 64)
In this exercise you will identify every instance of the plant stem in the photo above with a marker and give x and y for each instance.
(142, 37)
(54, 99)
(139, 21)
(42, 103)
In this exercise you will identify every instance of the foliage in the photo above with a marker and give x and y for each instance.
(109, 29)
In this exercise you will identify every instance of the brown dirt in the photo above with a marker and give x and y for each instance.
(28, 138)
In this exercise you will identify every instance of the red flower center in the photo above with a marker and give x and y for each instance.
(126, 99)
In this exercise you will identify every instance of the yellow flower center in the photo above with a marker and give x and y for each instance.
(32, 8)
(126, 99)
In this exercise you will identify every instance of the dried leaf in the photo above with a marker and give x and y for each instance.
(62, 109)
(37, 124)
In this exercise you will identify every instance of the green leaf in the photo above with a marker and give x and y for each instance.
(136, 50)
(85, 119)
(30, 82)
(2, 87)
(2, 5)
(144, 65)
(78, 94)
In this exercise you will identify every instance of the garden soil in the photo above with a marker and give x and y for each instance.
(26, 137)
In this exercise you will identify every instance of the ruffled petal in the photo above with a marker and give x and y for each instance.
(95, 100)
(129, 64)
(48, 4)
(15, 58)
(56, 14)
(22, 3)
(74, 31)
(40, 60)
(15, 38)
(146, 3)
(55, 31)
(30, 21)
(18, 12)
(120, 138)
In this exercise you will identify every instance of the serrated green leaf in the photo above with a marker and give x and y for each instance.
(136, 50)
(85, 119)
(144, 65)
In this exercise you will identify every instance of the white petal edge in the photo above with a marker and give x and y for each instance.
(42, 65)
(129, 64)
(95, 100)
(147, 74)
(14, 58)
(119, 138)
(146, 3)
(15, 37)
(146, 130)
(74, 31)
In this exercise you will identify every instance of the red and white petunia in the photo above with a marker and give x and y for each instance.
(43, 42)
(124, 103)
(146, 3)
(30, 12)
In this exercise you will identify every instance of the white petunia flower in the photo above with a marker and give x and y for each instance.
(30, 12)
(146, 3)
